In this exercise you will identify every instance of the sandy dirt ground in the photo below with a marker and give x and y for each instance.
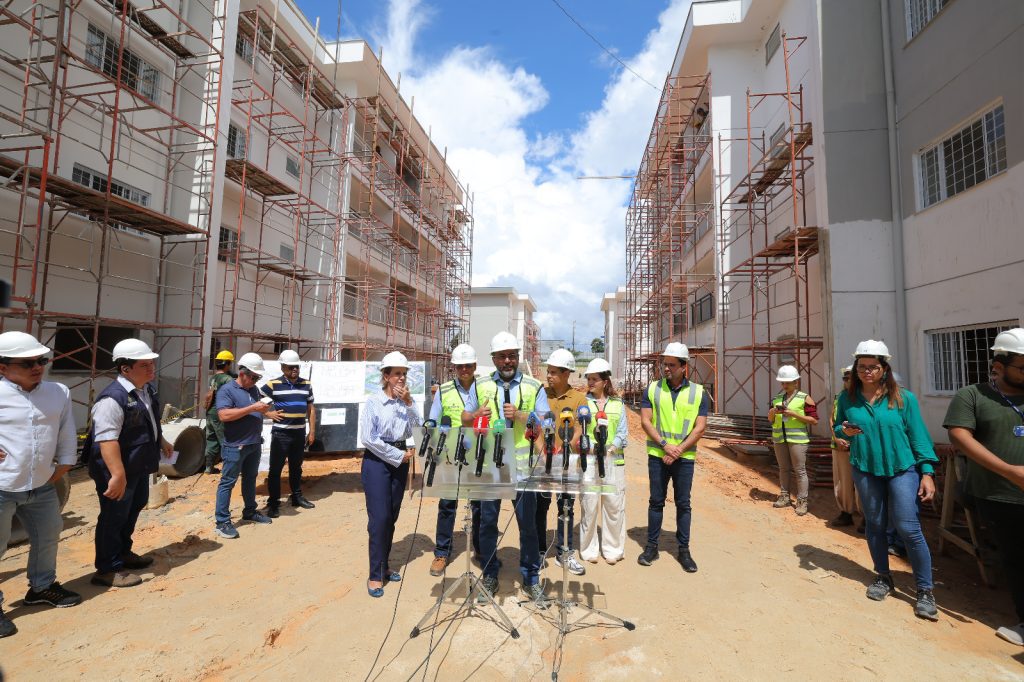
(776, 596)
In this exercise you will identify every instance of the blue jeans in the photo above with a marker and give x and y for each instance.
(446, 512)
(680, 472)
(39, 513)
(487, 533)
(244, 460)
(894, 497)
(529, 551)
(116, 522)
(543, 505)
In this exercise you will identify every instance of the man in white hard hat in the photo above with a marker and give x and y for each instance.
(293, 401)
(242, 411)
(37, 447)
(516, 397)
(124, 448)
(673, 413)
(561, 396)
(986, 423)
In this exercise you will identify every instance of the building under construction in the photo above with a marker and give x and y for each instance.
(217, 177)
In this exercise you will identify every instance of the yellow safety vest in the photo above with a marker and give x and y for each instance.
(528, 389)
(674, 421)
(615, 411)
(452, 405)
(791, 429)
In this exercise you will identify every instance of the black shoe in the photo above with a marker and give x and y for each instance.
(257, 517)
(299, 501)
(925, 606)
(649, 556)
(133, 561)
(210, 469)
(273, 511)
(7, 626)
(54, 595)
(844, 519)
(881, 588)
(689, 565)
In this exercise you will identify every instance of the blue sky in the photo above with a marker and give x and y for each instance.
(525, 103)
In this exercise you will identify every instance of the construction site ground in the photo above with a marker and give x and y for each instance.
(776, 596)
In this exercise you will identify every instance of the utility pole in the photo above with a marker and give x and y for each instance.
(572, 345)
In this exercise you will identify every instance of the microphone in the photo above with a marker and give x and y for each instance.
(480, 427)
(460, 449)
(499, 445)
(508, 401)
(549, 440)
(566, 434)
(583, 417)
(600, 438)
(428, 432)
(435, 455)
(531, 433)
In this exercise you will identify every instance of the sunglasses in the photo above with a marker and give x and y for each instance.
(29, 364)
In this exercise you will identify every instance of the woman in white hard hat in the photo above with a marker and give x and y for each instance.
(791, 413)
(386, 424)
(893, 464)
(603, 401)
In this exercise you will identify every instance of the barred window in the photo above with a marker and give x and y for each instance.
(291, 166)
(244, 48)
(971, 155)
(920, 13)
(773, 43)
(703, 309)
(961, 356)
(227, 244)
(236, 142)
(97, 181)
(102, 52)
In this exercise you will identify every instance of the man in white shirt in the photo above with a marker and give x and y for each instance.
(37, 447)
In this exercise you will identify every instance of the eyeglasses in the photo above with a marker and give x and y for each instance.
(289, 368)
(29, 364)
(869, 370)
(1019, 368)
(501, 357)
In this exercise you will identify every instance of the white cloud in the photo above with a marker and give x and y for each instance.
(538, 228)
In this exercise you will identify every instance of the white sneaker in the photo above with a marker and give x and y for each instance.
(1013, 635)
(575, 567)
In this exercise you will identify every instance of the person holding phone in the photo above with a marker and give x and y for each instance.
(893, 464)
(386, 424)
(791, 413)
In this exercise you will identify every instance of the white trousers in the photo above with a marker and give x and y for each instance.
(612, 509)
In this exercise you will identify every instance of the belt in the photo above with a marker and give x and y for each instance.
(400, 444)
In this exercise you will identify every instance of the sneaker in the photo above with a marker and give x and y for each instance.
(844, 519)
(574, 566)
(689, 565)
(134, 561)
(801, 506)
(273, 511)
(438, 565)
(227, 530)
(536, 594)
(1013, 635)
(54, 595)
(490, 585)
(925, 606)
(7, 626)
(298, 500)
(881, 588)
(257, 517)
(782, 501)
(116, 579)
(649, 556)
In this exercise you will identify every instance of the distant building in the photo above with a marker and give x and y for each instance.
(614, 308)
(498, 309)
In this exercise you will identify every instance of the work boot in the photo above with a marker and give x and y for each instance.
(925, 606)
(844, 519)
(437, 566)
(649, 556)
(881, 588)
(299, 501)
(116, 579)
(801, 506)
(489, 584)
(134, 561)
(689, 565)
(7, 626)
(782, 501)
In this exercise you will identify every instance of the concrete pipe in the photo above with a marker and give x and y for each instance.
(63, 486)
(190, 443)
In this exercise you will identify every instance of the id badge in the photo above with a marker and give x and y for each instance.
(1018, 431)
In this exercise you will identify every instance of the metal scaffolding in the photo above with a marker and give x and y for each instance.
(108, 132)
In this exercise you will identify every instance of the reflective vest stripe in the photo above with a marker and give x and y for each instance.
(615, 411)
(790, 429)
(674, 421)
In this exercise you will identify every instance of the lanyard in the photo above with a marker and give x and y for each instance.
(1012, 406)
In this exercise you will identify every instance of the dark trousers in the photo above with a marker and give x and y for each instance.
(487, 535)
(383, 486)
(680, 472)
(214, 437)
(1007, 523)
(446, 513)
(116, 522)
(543, 504)
(285, 445)
(529, 553)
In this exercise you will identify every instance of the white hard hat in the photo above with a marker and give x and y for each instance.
(848, 369)
(873, 348)
(677, 350)
(598, 365)
(289, 357)
(1010, 341)
(133, 349)
(394, 359)
(504, 341)
(20, 345)
(463, 354)
(788, 373)
(562, 358)
(251, 362)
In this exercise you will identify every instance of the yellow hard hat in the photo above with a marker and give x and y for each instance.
(225, 355)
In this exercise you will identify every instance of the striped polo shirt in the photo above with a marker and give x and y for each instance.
(291, 400)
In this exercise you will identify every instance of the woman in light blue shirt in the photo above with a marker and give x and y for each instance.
(386, 425)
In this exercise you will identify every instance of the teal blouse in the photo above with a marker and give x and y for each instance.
(893, 440)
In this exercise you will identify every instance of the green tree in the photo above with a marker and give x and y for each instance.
(597, 345)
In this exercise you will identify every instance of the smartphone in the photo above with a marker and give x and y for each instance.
(851, 425)
(266, 400)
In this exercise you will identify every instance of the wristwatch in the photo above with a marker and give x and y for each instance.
(928, 473)
(663, 443)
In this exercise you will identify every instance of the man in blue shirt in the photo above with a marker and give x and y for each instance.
(240, 408)
(293, 399)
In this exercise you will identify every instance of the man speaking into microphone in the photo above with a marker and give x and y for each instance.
(561, 396)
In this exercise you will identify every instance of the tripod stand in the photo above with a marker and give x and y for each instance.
(473, 583)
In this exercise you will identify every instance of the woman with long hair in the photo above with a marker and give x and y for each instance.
(601, 398)
(893, 464)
